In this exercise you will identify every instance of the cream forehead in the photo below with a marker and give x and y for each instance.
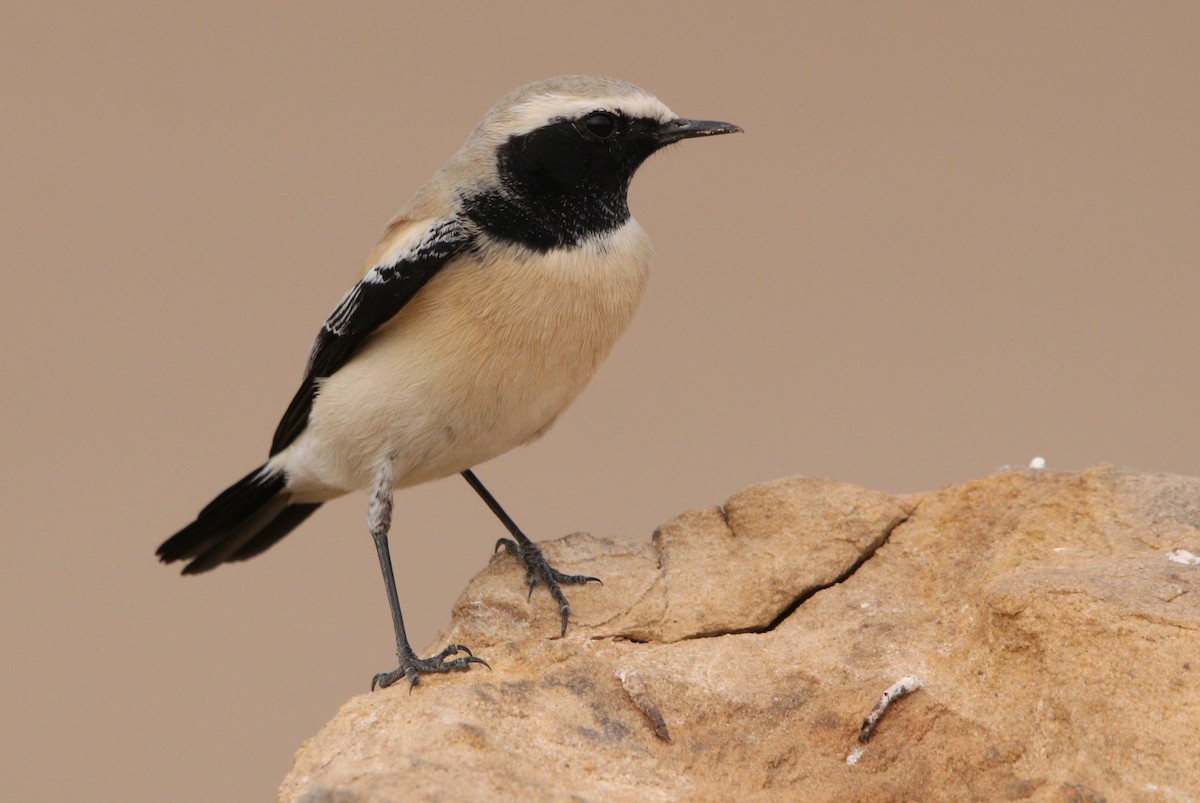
(536, 112)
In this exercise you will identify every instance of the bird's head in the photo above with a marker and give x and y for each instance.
(552, 161)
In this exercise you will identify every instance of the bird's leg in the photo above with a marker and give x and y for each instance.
(379, 519)
(537, 568)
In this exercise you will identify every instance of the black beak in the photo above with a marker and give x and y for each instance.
(685, 129)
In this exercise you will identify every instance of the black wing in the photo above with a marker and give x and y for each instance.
(369, 304)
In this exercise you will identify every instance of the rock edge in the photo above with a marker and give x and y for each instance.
(736, 654)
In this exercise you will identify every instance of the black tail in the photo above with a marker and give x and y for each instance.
(246, 519)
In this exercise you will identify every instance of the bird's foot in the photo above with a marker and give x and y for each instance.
(539, 570)
(412, 667)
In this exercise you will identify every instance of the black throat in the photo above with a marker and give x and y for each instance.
(559, 186)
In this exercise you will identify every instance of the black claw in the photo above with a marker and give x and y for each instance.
(452, 649)
(464, 663)
(385, 679)
(536, 567)
(412, 667)
(538, 570)
(576, 579)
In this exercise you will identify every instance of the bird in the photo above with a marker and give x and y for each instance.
(482, 313)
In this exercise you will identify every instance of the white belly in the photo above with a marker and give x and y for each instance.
(482, 360)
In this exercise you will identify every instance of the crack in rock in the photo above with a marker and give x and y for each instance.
(812, 591)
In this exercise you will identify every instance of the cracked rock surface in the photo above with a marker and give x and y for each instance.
(735, 655)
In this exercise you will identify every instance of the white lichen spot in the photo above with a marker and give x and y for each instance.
(1180, 555)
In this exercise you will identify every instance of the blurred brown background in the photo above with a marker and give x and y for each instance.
(953, 237)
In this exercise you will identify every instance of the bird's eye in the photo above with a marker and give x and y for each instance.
(600, 124)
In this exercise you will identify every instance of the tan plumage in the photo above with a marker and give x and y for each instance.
(481, 361)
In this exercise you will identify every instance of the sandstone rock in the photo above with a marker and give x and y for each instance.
(735, 655)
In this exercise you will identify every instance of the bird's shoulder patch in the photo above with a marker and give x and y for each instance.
(409, 256)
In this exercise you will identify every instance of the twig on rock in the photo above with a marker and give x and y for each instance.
(905, 685)
(635, 687)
